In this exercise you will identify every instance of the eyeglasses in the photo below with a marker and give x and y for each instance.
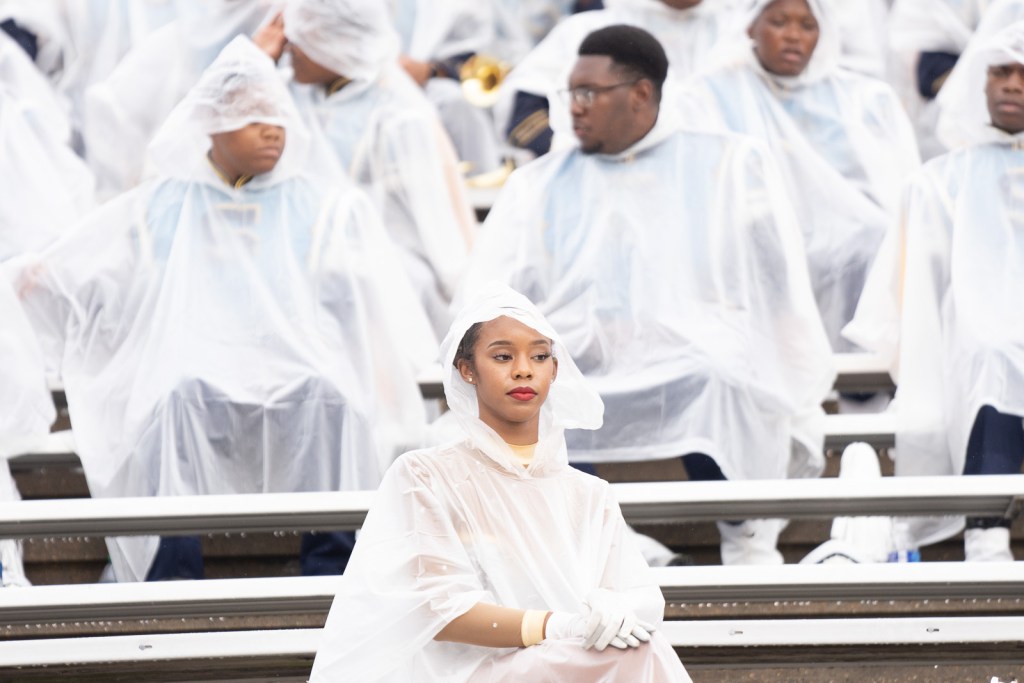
(584, 95)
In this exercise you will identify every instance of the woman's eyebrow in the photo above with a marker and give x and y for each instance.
(503, 342)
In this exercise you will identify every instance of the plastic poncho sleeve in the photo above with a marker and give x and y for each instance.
(408, 578)
(626, 572)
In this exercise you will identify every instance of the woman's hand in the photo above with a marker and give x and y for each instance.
(612, 622)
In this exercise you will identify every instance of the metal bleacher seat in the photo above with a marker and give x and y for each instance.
(642, 503)
(287, 654)
(292, 595)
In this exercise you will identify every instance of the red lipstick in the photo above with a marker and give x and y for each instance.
(522, 393)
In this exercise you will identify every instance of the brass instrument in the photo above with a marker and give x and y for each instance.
(481, 76)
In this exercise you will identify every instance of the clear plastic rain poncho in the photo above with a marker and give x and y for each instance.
(214, 339)
(675, 273)
(464, 523)
(963, 117)
(47, 187)
(81, 41)
(438, 29)
(841, 140)
(388, 138)
(686, 35)
(862, 33)
(25, 408)
(947, 305)
(124, 111)
(917, 26)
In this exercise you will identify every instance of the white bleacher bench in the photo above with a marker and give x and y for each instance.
(845, 582)
(226, 649)
(314, 594)
(641, 503)
(855, 372)
(877, 429)
(862, 372)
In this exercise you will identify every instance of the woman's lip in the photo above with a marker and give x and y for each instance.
(522, 393)
(1010, 105)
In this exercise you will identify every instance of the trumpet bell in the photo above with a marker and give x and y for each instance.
(481, 77)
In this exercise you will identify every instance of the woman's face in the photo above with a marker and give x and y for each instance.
(512, 368)
(785, 35)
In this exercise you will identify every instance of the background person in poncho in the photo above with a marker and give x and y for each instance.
(222, 328)
(529, 110)
(946, 304)
(841, 140)
(366, 115)
(26, 410)
(47, 187)
(671, 262)
(489, 558)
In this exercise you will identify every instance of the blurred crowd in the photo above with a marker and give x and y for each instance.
(236, 231)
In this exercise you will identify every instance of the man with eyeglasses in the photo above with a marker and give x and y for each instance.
(528, 112)
(670, 262)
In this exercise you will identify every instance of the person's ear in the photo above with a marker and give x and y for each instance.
(466, 370)
(643, 93)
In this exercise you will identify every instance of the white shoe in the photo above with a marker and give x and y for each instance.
(869, 538)
(987, 545)
(752, 542)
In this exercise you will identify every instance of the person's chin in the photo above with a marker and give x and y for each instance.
(590, 146)
(264, 168)
(789, 69)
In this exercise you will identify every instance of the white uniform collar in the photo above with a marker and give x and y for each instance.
(664, 126)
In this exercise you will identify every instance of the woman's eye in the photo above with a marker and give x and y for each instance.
(502, 356)
(542, 357)
(810, 26)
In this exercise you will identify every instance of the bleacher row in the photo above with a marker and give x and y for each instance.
(945, 620)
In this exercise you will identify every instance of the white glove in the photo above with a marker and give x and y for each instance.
(565, 625)
(612, 622)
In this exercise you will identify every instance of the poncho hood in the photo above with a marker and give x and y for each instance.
(571, 404)
(240, 87)
(353, 38)
(965, 119)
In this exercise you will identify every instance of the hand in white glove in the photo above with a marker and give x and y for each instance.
(565, 625)
(612, 622)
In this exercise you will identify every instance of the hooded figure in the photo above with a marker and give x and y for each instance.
(26, 409)
(378, 125)
(46, 185)
(232, 325)
(944, 304)
(963, 116)
(464, 532)
(926, 38)
(125, 109)
(841, 139)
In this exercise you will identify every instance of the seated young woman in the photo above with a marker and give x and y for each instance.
(490, 558)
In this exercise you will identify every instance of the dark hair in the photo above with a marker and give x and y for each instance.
(469, 340)
(632, 49)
